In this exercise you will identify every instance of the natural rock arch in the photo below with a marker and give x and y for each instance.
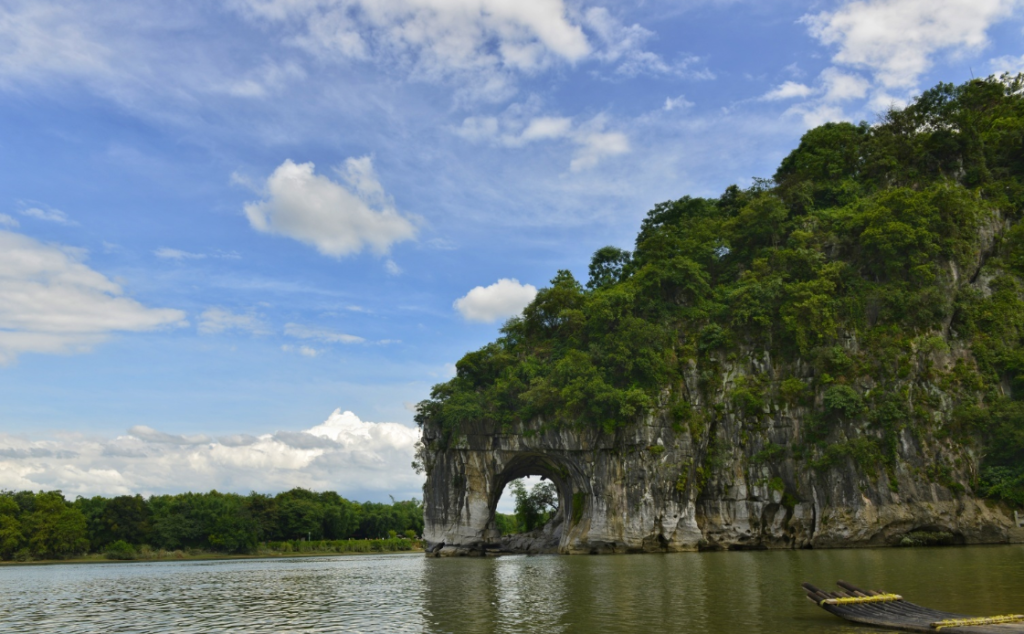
(648, 487)
(611, 491)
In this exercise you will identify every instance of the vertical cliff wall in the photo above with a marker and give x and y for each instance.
(654, 487)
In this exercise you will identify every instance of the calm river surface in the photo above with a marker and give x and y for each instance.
(730, 592)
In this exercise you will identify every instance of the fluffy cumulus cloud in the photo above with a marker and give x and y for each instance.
(881, 50)
(840, 86)
(897, 39)
(345, 454)
(335, 219)
(52, 302)
(505, 298)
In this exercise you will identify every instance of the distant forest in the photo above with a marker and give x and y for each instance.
(45, 525)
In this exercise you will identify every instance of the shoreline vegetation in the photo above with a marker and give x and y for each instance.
(272, 550)
(45, 526)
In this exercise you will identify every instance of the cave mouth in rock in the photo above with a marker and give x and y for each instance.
(526, 504)
(546, 488)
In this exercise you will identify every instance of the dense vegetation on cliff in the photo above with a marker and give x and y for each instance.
(880, 272)
(46, 526)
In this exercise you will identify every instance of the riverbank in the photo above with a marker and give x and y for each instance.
(99, 558)
(121, 551)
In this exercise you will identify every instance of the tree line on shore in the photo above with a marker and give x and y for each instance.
(45, 525)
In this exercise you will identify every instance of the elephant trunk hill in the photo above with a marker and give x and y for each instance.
(829, 358)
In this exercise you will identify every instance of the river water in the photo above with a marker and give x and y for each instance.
(714, 593)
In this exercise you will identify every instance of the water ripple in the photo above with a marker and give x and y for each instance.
(753, 593)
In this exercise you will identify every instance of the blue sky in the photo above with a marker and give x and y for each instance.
(222, 221)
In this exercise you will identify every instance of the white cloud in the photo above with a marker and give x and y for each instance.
(124, 52)
(48, 215)
(546, 128)
(51, 302)
(677, 103)
(477, 41)
(479, 129)
(392, 268)
(1007, 64)
(596, 144)
(338, 221)
(305, 332)
(787, 90)
(7, 221)
(624, 46)
(896, 39)
(815, 114)
(151, 435)
(177, 254)
(216, 320)
(40, 39)
(832, 87)
(356, 458)
(505, 298)
(305, 351)
(167, 253)
(517, 128)
(840, 86)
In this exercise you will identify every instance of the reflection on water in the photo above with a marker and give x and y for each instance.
(749, 592)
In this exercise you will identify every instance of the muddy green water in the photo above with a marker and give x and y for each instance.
(731, 592)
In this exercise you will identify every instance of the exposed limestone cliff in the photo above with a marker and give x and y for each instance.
(652, 488)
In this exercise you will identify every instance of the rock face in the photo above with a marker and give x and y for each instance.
(737, 471)
(662, 486)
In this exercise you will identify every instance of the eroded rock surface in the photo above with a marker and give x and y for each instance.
(660, 486)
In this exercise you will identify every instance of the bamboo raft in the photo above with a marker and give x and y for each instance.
(891, 611)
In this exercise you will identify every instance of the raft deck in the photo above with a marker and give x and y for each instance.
(891, 611)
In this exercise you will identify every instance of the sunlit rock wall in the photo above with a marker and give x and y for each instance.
(663, 486)
(616, 493)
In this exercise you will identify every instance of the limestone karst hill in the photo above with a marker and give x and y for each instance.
(832, 357)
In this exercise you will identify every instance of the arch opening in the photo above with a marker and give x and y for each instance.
(528, 506)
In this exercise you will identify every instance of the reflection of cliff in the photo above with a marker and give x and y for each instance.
(834, 357)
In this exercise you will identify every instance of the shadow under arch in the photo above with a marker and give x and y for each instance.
(546, 539)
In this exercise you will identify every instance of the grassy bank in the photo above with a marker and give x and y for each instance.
(292, 548)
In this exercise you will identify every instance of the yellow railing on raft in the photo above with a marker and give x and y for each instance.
(981, 620)
(877, 598)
